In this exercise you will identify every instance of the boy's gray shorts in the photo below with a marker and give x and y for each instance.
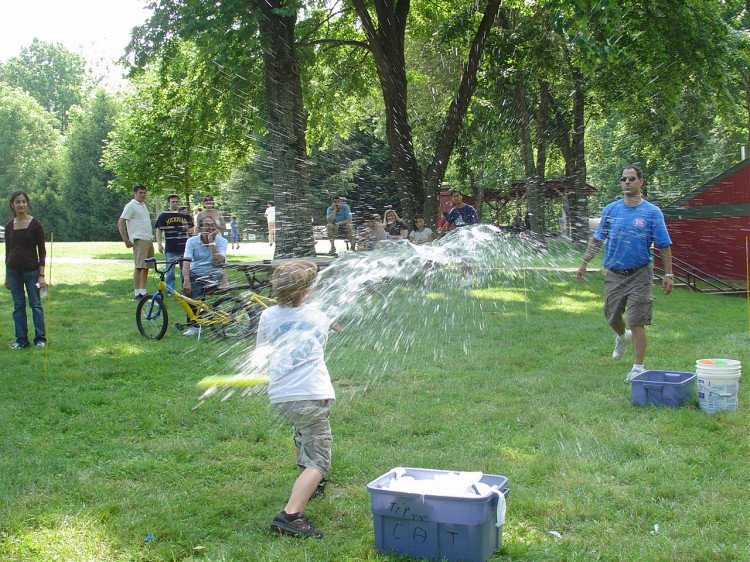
(311, 431)
(632, 292)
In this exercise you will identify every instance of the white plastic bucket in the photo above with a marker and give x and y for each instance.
(718, 384)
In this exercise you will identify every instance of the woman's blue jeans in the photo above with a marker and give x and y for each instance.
(17, 280)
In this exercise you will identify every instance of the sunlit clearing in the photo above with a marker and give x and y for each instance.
(512, 454)
(567, 304)
(69, 538)
(505, 295)
(118, 350)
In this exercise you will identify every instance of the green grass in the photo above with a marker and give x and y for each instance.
(102, 444)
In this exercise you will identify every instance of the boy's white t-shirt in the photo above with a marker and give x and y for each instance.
(295, 339)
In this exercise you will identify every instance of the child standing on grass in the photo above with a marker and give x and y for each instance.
(299, 387)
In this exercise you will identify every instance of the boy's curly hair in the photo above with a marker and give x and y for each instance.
(292, 280)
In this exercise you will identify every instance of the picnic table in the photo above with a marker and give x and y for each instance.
(257, 273)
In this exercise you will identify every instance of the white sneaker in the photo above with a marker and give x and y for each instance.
(634, 372)
(621, 344)
(191, 331)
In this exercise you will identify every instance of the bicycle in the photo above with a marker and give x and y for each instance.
(227, 317)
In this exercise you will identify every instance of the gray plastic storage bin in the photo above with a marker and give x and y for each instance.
(435, 527)
(663, 388)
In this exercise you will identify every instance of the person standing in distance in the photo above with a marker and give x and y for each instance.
(25, 256)
(135, 229)
(234, 232)
(176, 226)
(270, 214)
(630, 226)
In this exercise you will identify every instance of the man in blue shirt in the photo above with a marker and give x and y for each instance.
(339, 215)
(205, 253)
(630, 226)
(461, 214)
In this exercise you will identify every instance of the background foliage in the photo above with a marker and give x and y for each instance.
(664, 85)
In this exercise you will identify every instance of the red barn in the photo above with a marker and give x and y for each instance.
(709, 225)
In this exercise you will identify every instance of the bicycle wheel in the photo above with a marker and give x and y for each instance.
(151, 317)
(243, 318)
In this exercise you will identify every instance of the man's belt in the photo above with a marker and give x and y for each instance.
(629, 271)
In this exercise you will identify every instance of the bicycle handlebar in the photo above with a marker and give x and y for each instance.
(171, 264)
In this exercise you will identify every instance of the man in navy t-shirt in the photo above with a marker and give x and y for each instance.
(630, 226)
(175, 225)
(461, 214)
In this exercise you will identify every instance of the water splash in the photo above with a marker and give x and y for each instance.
(402, 298)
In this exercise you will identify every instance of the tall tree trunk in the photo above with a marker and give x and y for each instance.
(579, 209)
(541, 161)
(477, 190)
(387, 46)
(456, 112)
(287, 123)
(420, 192)
(523, 119)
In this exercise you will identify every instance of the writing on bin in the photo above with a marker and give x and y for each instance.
(418, 534)
(404, 511)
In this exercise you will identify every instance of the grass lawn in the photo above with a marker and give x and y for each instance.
(102, 444)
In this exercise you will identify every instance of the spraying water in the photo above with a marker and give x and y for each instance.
(403, 298)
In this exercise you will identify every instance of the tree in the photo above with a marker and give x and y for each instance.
(573, 64)
(229, 38)
(29, 143)
(385, 30)
(287, 124)
(170, 137)
(91, 208)
(53, 76)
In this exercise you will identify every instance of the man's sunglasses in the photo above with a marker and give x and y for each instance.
(628, 178)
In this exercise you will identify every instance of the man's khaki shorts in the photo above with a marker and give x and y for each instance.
(311, 431)
(143, 249)
(631, 293)
(333, 230)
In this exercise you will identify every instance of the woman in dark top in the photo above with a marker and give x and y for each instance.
(395, 228)
(25, 255)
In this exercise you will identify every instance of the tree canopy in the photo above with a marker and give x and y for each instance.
(51, 74)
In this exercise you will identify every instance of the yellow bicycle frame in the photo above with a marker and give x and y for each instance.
(197, 311)
(205, 315)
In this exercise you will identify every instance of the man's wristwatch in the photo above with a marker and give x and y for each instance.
(670, 275)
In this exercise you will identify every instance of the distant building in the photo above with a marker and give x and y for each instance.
(710, 225)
